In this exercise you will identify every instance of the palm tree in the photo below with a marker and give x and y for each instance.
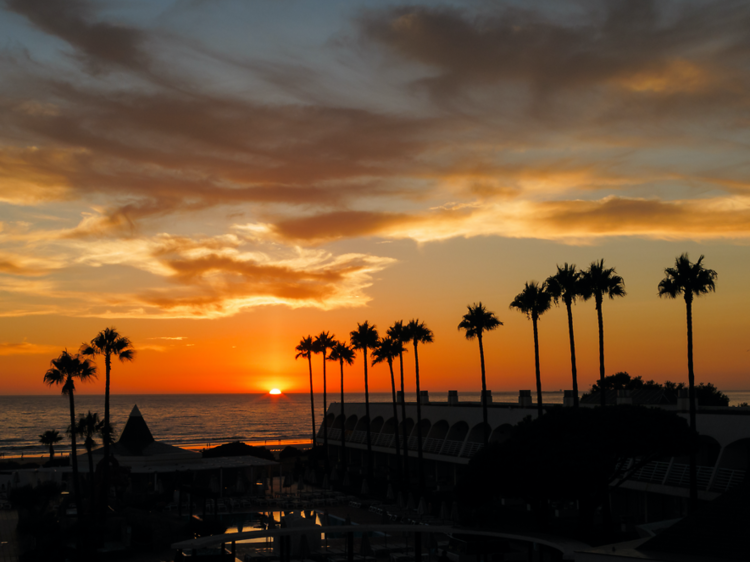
(388, 350)
(62, 372)
(363, 338)
(419, 333)
(565, 285)
(689, 280)
(343, 354)
(323, 342)
(88, 428)
(108, 343)
(49, 438)
(398, 332)
(534, 301)
(598, 281)
(476, 321)
(305, 349)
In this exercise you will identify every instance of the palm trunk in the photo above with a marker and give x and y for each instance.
(73, 455)
(395, 419)
(602, 390)
(343, 422)
(420, 459)
(92, 488)
(572, 352)
(51, 452)
(538, 375)
(403, 421)
(367, 414)
(691, 399)
(485, 430)
(312, 400)
(107, 437)
(325, 413)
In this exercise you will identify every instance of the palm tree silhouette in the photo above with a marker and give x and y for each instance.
(363, 338)
(476, 321)
(108, 343)
(50, 438)
(689, 280)
(305, 349)
(89, 427)
(388, 350)
(419, 333)
(565, 285)
(323, 342)
(398, 332)
(598, 281)
(343, 354)
(62, 372)
(534, 301)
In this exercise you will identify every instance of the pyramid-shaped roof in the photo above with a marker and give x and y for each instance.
(136, 435)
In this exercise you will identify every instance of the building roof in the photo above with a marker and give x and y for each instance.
(136, 436)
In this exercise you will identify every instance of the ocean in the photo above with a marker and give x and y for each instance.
(198, 420)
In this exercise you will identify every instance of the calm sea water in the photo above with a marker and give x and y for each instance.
(197, 419)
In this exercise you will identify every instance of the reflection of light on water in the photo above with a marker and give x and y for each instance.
(252, 522)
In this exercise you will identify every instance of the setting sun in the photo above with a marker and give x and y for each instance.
(275, 391)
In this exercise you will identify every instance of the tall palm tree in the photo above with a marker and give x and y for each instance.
(363, 338)
(565, 285)
(534, 301)
(689, 280)
(62, 372)
(388, 350)
(597, 281)
(306, 348)
(323, 342)
(50, 438)
(343, 354)
(419, 333)
(398, 332)
(108, 343)
(476, 321)
(89, 427)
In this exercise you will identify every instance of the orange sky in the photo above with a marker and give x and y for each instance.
(217, 194)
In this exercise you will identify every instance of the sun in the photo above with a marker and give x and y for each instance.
(274, 391)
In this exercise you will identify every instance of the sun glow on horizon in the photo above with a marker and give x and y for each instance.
(274, 391)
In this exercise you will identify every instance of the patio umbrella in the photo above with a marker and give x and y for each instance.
(326, 485)
(410, 502)
(444, 513)
(422, 508)
(301, 486)
(389, 494)
(346, 481)
(287, 480)
(365, 488)
(334, 476)
(400, 500)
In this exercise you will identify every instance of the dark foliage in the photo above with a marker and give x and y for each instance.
(238, 449)
(706, 393)
(290, 452)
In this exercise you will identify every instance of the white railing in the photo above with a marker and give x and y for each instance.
(726, 478)
(471, 449)
(451, 448)
(432, 445)
(654, 471)
(359, 436)
(334, 434)
(383, 440)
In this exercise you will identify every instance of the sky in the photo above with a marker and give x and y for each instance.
(217, 180)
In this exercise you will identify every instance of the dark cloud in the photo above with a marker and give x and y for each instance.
(339, 224)
(101, 45)
(605, 44)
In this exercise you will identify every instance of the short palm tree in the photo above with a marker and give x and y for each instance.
(689, 280)
(306, 348)
(597, 281)
(343, 354)
(419, 333)
(398, 332)
(63, 371)
(387, 351)
(565, 285)
(534, 301)
(50, 438)
(366, 337)
(323, 342)
(108, 343)
(477, 321)
(89, 427)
